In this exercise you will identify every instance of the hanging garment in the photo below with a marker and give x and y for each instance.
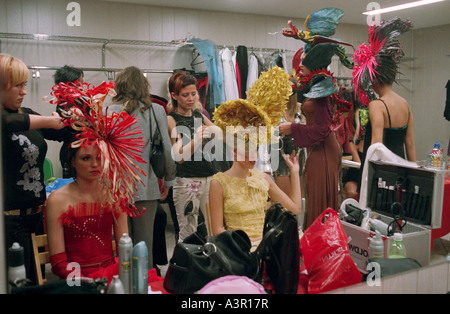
(208, 50)
(242, 61)
(284, 62)
(252, 71)
(238, 74)
(447, 103)
(229, 75)
(160, 101)
(202, 80)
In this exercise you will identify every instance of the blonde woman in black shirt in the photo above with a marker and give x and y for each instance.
(24, 149)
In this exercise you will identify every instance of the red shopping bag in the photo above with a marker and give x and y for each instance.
(326, 255)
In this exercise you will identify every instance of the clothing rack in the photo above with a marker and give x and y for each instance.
(104, 42)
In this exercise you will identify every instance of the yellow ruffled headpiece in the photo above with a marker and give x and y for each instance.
(264, 107)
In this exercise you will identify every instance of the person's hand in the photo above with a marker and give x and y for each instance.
(55, 121)
(292, 161)
(285, 128)
(164, 192)
(203, 132)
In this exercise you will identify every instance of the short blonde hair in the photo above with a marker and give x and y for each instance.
(12, 71)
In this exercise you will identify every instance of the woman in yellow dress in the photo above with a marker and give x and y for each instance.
(238, 197)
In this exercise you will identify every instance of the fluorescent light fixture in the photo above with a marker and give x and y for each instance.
(402, 7)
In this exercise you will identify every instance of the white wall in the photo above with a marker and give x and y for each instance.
(427, 73)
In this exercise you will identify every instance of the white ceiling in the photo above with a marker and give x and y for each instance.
(425, 16)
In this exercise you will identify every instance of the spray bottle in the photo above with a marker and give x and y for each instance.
(125, 248)
(116, 286)
(140, 268)
(376, 246)
(16, 267)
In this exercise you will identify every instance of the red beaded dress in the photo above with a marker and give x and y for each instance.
(88, 241)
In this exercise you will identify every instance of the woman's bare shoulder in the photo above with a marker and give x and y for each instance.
(60, 197)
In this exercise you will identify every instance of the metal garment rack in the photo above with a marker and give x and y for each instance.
(104, 42)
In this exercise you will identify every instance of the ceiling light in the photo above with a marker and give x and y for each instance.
(401, 7)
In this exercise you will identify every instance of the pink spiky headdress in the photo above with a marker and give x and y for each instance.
(379, 59)
(116, 135)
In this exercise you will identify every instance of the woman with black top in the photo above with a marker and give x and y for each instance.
(24, 149)
(189, 131)
(390, 118)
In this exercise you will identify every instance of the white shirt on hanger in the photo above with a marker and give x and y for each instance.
(229, 75)
(252, 71)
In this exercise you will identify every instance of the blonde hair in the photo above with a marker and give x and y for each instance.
(12, 71)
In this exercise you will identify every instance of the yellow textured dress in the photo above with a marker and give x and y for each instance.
(244, 202)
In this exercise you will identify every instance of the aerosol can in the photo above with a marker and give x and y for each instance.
(140, 268)
(116, 286)
(125, 248)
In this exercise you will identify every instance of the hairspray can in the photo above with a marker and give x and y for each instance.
(125, 248)
(140, 268)
(116, 286)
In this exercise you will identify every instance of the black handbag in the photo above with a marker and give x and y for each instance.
(157, 158)
(198, 260)
(85, 286)
(280, 249)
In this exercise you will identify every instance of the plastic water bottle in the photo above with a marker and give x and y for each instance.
(376, 246)
(435, 157)
(125, 248)
(397, 249)
(16, 267)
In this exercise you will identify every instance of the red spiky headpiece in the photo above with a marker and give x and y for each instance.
(116, 136)
(379, 59)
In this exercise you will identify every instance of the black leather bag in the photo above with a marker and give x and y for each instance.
(157, 158)
(197, 261)
(85, 286)
(280, 249)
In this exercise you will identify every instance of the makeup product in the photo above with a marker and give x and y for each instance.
(414, 201)
(376, 246)
(125, 248)
(16, 267)
(140, 268)
(116, 286)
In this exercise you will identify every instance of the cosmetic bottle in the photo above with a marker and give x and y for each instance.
(125, 248)
(16, 267)
(140, 268)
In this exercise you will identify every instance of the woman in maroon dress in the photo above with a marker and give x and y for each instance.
(317, 92)
(322, 167)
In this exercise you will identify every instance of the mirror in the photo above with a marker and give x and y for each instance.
(424, 68)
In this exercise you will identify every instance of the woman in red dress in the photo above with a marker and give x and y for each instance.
(79, 223)
(82, 215)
